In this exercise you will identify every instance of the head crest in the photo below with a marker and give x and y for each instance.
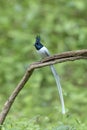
(38, 38)
(38, 44)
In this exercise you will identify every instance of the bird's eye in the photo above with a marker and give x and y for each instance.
(37, 43)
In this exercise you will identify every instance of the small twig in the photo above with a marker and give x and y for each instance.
(58, 58)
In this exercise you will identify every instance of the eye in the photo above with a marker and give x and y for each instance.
(37, 43)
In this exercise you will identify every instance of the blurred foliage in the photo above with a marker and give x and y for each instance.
(63, 27)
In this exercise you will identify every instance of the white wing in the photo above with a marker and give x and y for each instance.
(44, 52)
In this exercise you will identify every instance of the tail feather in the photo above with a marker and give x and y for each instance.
(58, 87)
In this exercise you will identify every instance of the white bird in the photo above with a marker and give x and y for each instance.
(43, 51)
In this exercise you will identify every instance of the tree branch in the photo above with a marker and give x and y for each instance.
(58, 58)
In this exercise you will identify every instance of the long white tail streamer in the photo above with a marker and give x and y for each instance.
(58, 87)
(44, 53)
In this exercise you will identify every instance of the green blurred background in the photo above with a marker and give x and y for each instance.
(62, 25)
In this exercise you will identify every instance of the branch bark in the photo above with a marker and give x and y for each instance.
(58, 58)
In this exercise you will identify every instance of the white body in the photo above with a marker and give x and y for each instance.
(44, 53)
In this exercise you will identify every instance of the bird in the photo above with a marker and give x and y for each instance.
(43, 52)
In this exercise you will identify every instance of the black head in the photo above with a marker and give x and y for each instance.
(38, 44)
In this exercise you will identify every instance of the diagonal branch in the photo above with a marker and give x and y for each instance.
(58, 58)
